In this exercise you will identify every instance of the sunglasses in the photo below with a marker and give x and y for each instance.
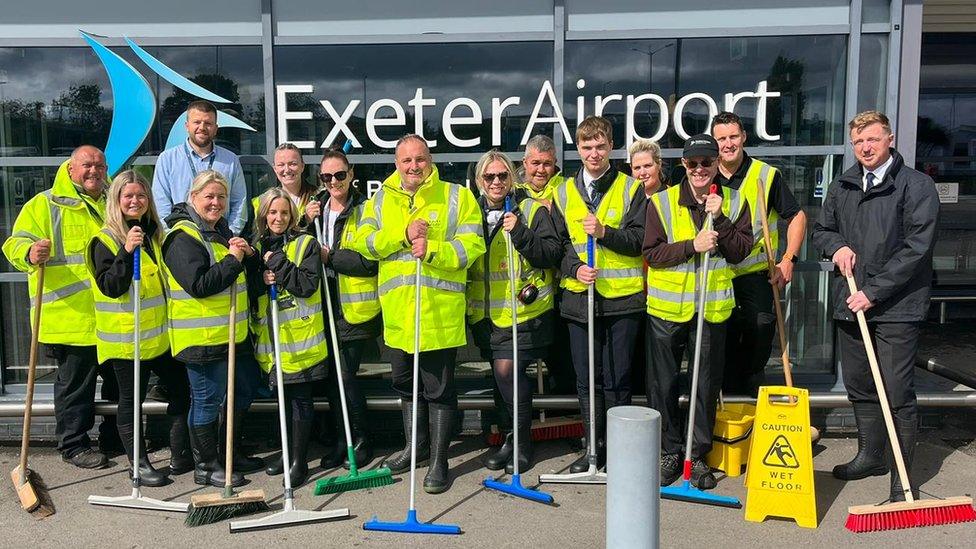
(327, 177)
(693, 164)
(489, 177)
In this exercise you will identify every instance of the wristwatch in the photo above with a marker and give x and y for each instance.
(789, 257)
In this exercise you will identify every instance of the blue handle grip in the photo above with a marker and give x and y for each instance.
(273, 290)
(137, 263)
(508, 204)
(590, 251)
(347, 146)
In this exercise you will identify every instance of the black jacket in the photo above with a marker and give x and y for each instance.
(189, 263)
(627, 240)
(891, 229)
(349, 263)
(113, 272)
(540, 246)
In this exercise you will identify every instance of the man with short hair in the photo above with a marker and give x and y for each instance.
(177, 166)
(52, 232)
(608, 206)
(749, 338)
(878, 224)
(678, 234)
(540, 169)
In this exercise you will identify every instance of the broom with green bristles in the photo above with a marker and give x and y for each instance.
(356, 479)
(211, 508)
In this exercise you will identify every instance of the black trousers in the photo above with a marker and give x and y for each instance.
(436, 384)
(352, 356)
(171, 373)
(614, 341)
(896, 344)
(559, 360)
(74, 397)
(670, 339)
(749, 336)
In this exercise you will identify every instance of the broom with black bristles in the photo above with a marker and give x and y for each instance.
(910, 513)
(211, 508)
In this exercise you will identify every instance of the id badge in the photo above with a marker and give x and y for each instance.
(286, 302)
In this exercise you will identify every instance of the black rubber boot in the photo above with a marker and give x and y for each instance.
(208, 467)
(907, 431)
(438, 478)
(525, 437)
(357, 422)
(497, 458)
(243, 463)
(583, 463)
(400, 462)
(180, 455)
(148, 475)
(872, 444)
(301, 433)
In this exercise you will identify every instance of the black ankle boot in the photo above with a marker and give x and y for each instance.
(400, 462)
(438, 478)
(906, 438)
(180, 455)
(872, 443)
(208, 467)
(496, 458)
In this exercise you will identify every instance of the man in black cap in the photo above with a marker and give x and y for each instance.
(676, 238)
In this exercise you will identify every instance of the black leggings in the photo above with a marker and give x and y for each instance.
(298, 401)
(171, 373)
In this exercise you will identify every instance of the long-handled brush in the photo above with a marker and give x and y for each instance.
(784, 343)
(210, 508)
(685, 491)
(592, 475)
(289, 516)
(911, 512)
(411, 525)
(136, 500)
(544, 428)
(34, 497)
(356, 479)
(514, 487)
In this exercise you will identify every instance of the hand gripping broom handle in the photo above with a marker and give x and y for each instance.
(882, 397)
(231, 369)
(31, 373)
(784, 343)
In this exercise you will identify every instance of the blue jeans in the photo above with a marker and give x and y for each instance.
(208, 388)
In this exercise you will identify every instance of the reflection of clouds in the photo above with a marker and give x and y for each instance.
(42, 74)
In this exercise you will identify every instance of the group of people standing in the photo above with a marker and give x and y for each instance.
(648, 237)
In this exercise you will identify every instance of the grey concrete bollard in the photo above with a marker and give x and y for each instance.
(633, 477)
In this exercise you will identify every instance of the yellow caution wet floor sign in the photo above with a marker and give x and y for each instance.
(780, 471)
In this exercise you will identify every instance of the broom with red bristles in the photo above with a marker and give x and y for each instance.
(542, 428)
(910, 513)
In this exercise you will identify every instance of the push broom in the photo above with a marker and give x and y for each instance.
(356, 479)
(136, 500)
(592, 475)
(411, 525)
(685, 491)
(34, 497)
(514, 487)
(210, 508)
(289, 516)
(911, 512)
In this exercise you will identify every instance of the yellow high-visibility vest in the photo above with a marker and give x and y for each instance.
(358, 295)
(756, 261)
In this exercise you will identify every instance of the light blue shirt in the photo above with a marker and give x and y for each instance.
(177, 166)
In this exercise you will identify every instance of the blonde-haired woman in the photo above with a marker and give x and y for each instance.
(131, 227)
(204, 261)
(290, 262)
(646, 165)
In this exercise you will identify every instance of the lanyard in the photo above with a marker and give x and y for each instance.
(193, 168)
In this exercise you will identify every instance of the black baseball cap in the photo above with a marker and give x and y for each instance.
(700, 145)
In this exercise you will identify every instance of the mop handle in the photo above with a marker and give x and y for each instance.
(31, 373)
(784, 343)
(591, 349)
(231, 374)
(416, 375)
(338, 367)
(882, 397)
(136, 362)
(280, 382)
(515, 346)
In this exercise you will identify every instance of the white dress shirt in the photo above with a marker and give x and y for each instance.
(878, 173)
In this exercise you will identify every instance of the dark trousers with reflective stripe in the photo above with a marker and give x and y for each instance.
(74, 398)
(436, 384)
(613, 353)
(670, 339)
(749, 339)
(896, 344)
(171, 373)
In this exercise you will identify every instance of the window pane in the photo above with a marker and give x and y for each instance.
(875, 11)
(872, 79)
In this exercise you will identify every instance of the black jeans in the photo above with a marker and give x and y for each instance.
(171, 373)
(352, 355)
(750, 332)
(670, 339)
(896, 344)
(436, 382)
(74, 397)
(614, 341)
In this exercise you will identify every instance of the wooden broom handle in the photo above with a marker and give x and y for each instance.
(231, 368)
(882, 397)
(31, 372)
(780, 323)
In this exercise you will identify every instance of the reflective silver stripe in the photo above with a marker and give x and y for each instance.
(677, 297)
(56, 232)
(627, 201)
(267, 348)
(454, 196)
(182, 294)
(298, 312)
(403, 255)
(561, 197)
(126, 307)
(66, 291)
(74, 259)
(369, 221)
(497, 276)
(580, 249)
(360, 297)
(378, 204)
(370, 244)
(461, 253)
(469, 228)
(751, 261)
(425, 281)
(620, 273)
(206, 321)
(25, 234)
(735, 205)
(665, 201)
(111, 337)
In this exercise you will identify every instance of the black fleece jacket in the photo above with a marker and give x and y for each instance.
(113, 272)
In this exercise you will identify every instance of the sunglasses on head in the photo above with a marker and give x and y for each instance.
(489, 177)
(693, 164)
(327, 177)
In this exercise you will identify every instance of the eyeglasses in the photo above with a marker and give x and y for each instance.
(327, 177)
(489, 177)
(693, 164)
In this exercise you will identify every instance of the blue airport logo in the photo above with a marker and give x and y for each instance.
(134, 105)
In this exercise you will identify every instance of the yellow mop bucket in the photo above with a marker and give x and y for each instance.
(730, 439)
